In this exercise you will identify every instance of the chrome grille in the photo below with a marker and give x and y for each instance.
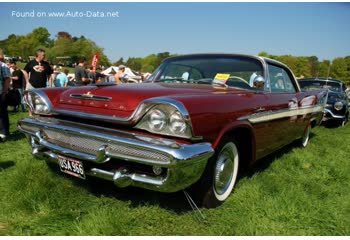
(30, 128)
(81, 143)
(72, 141)
(137, 153)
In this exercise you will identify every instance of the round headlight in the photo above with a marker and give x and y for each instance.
(177, 123)
(338, 106)
(157, 120)
(39, 108)
(37, 100)
(39, 105)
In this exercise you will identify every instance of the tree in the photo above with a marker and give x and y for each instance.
(302, 67)
(161, 57)
(323, 68)
(41, 35)
(64, 35)
(313, 62)
(339, 69)
(119, 62)
(134, 63)
(147, 68)
(263, 54)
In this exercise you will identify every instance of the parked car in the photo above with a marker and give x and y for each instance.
(337, 107)
(197, 121)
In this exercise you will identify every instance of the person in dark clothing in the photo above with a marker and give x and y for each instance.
(4, 87)
(92, 74)
(81, 77)
(18, 83)
(17, 76)
(39, 71)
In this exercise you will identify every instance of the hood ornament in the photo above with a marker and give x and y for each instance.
(90, 96)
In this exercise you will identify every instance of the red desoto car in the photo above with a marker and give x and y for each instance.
(197, 121)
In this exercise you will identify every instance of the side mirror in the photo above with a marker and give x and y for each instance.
(259, 82)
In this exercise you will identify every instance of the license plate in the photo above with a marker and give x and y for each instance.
(71, 166)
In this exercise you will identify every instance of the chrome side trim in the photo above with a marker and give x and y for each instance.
(274, 115)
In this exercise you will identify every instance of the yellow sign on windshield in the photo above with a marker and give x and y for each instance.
(222, 76)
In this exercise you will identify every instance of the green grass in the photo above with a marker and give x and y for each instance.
(301, 192)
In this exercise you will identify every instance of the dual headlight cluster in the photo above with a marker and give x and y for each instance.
(165, 120)
(37, 103)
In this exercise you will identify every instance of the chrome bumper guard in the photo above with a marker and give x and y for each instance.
(332, 115)
(184, 163)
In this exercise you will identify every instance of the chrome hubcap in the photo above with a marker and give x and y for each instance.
(223, 174)
(225, 171)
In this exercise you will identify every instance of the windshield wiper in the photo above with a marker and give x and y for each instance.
(193, 81)
(172, 80)
(203, 80)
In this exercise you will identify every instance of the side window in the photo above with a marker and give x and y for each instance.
(289, 87)
(343, 87)
(280, 80)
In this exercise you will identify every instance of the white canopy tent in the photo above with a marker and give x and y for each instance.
(127, 71)
(132, 76)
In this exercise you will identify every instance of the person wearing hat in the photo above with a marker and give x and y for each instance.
(121, 76)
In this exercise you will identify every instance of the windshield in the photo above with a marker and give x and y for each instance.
(232, 71)
(316, 84)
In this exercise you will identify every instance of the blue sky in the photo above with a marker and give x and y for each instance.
(300, 29)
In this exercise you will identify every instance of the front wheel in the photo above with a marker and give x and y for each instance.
(219, 177)
(225, 172)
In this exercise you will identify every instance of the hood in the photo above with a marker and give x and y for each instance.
(335, 97)
(127, 97)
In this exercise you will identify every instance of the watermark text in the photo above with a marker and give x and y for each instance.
(65, 14)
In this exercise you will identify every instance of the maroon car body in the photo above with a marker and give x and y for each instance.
(196, 122)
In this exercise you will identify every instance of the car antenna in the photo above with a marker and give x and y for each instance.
(194, 207)
(329, 69)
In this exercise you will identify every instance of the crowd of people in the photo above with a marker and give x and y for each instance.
(38, 73)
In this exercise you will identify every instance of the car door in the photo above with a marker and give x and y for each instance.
(283, 106)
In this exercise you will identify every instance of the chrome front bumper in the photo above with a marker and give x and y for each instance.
(328, 114)
(183, 164)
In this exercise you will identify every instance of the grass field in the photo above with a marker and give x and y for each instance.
(297, 192)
